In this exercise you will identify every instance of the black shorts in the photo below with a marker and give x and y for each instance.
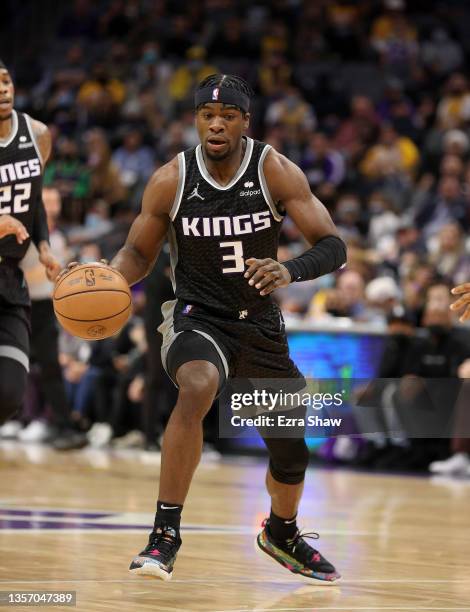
(15, 332)
(247, 347)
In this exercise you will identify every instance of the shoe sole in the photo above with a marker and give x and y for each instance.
(312, 581)
(151, 569)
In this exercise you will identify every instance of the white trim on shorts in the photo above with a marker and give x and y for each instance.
(217, 348)
(13, 352)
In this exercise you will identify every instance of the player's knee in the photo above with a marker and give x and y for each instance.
(198, 382)
(288, 459)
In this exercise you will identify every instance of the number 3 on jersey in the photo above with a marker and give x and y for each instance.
(235, 256)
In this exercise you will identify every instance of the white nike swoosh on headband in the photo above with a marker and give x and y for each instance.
(163, 507)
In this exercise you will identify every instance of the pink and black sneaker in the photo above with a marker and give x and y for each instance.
(297, 556)
(158, 557)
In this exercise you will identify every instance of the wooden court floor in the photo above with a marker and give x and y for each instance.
(73, 522)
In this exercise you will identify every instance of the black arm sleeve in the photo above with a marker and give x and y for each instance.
(326, 256)
(40, 230)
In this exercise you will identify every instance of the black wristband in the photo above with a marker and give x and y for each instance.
(40, 230)
(326, 256)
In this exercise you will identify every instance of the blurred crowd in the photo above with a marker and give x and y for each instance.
(370, 98)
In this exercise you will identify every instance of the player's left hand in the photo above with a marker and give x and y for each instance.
(463, 302)
(267, 274)
(49, 262)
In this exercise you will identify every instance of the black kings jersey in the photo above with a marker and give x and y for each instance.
(215, 228)
(20, 181)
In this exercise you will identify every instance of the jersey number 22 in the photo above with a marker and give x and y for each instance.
(20, 197)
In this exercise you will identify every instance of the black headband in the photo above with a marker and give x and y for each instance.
(224, 95)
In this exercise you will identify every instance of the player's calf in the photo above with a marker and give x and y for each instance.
(12, 388)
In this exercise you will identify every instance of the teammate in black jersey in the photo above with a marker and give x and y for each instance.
(221, 205)
(25, 146)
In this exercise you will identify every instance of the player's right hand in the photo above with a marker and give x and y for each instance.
(9, 225)
(463, 303)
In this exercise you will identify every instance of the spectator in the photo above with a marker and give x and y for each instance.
(393, 36)
(106, 181)
(452, 165)
(445, 206)
(359, 130)
(453, 110)
(436, 355)
(274, 74)
(186, 77)
(384, 298)
(343, 32)
(393, 155)
(456, 142)
(384, 220)
(451, 258)
(135, 162)
(66, 171)
(293, 113)
(323, 166)
(347, 299)
(100, 96)
(347, 216)
(440, 53)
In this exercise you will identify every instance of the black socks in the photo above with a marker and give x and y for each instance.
(168, 513)
(281, 528)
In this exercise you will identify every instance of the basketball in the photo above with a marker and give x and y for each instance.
(92, 301)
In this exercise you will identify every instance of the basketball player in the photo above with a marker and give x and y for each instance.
(464, 301)
(24, 149)
(221, 204)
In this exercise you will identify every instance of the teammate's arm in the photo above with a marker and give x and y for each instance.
(463, 302)
(289, 187)
(149, 229)
(40, 231)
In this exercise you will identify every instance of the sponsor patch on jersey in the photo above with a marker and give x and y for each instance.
(250, 192)
(25, 145)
